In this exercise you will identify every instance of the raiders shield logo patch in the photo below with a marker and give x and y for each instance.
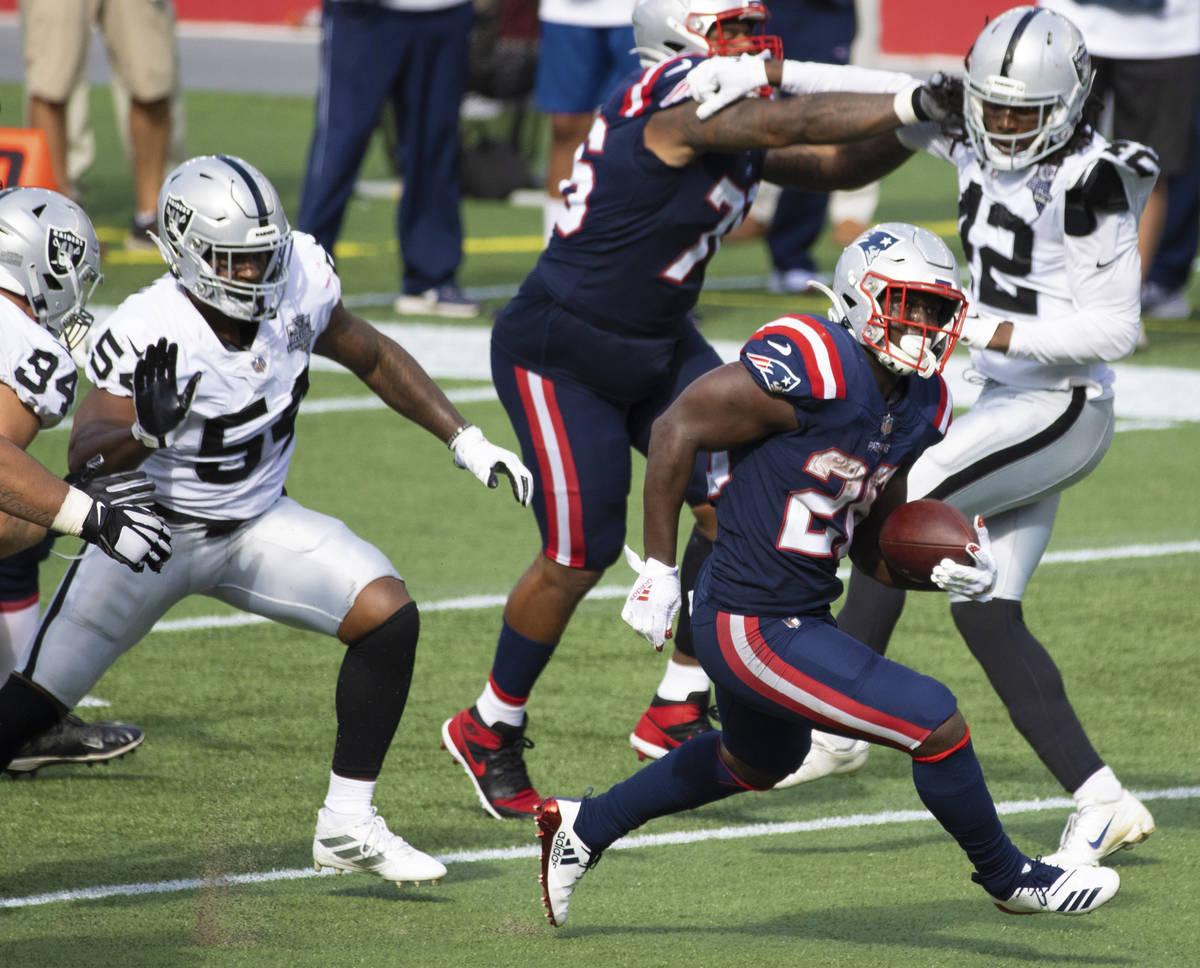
(64, 251)
(177, 216)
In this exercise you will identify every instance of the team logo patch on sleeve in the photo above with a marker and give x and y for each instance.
(777, 375)
(300, 333)
(64, 251)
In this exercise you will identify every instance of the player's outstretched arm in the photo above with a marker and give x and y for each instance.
(400, 382)
(824, 168)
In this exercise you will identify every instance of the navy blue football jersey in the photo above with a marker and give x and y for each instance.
(787, 507)
(629, 252)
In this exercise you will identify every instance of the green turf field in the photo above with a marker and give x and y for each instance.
(196, 851)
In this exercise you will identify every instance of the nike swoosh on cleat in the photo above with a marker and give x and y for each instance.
(1095, 844)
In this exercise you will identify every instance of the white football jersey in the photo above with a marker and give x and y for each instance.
(36, 366)
(229, 458)
(1072, 291)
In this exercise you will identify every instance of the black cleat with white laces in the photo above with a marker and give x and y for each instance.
(71, 740)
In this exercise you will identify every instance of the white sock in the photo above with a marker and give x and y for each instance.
(1101, 785)
(349, 799)
(680, 681)
(552, 207)
(493, 709)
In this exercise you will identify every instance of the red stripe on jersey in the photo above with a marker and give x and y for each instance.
(821, 361)
(19, 604)
(559, 483)
(635, 102)
(945, 407)
(820, 693)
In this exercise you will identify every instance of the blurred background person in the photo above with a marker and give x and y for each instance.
(139, 38)
(409, 57)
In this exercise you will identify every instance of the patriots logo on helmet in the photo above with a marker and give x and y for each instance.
(177, 216)
(777, 376)
(875, 243)
(64, 251)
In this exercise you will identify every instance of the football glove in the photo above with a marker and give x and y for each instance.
(134, 536)
(124, 487)
(159, 405)
(654, 600)
(974, 582)
(484, 459)
(717, 82)
(939, 99)
(976, 333)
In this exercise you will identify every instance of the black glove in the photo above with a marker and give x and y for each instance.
(940, 99)
(134, 536)
(124, 487)
(159, 405)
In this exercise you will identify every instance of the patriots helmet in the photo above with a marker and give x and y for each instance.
(50, 255)
(663, 29)
(215, 212)
(1032, 60)
(897, 289)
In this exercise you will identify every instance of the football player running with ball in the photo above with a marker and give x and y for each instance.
(821, 419)
(198, 379)
(1048, 215)
(599, 339)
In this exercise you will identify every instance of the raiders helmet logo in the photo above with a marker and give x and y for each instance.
(64, 251)
(177, 216)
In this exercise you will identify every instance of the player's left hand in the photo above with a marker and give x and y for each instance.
(938, 99)
(157, 402)
(976, 583)
(654, 600)
(484, 459)
(717, 82)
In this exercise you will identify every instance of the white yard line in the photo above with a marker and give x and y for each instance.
(530, 851)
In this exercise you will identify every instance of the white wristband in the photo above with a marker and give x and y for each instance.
(75, 508)
(142, 437)
(902, 104)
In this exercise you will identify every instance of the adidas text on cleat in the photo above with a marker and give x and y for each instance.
(565, 859)
(71, 740)
(1097, 828)
(667, 724)
(1045, 889)
(494, 758)
(366, 845)
(830, 755)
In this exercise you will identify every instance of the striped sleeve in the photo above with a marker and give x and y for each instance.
(795, 356)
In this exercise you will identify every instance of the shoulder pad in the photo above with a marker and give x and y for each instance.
(796, 357)
(1119, 179)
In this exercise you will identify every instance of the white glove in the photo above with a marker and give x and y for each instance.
(654, 600)
(975, 582)
(482, 458)
(134, 536)
(976, 333)
(717, 82)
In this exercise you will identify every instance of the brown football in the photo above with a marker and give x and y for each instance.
(917, 535)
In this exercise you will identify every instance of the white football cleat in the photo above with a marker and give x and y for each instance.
(1049, 889)
(830, 755)
(366, 845)
(565, 859)
(1097, 828)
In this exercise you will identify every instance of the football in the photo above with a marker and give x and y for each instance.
(917, 535)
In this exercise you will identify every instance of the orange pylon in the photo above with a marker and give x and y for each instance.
(25, 159)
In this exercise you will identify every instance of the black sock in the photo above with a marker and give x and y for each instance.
(870, 611)
(694, 555)
(372, 689)
(1027, 680)
(25, 713)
